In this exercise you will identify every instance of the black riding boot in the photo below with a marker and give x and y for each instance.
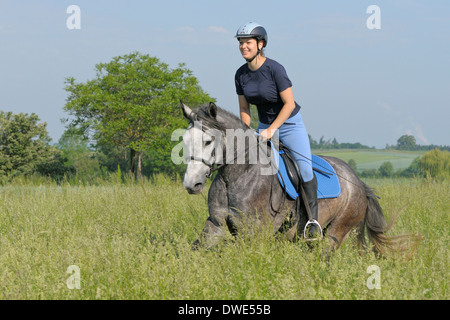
(313, 230)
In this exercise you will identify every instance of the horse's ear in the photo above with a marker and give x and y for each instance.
(212, 110)
(187, 112)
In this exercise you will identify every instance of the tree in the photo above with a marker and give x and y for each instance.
(78, 155)
(435, 164)
(412, 171)
(335, 143)
(56, 167)
(133, 102)
(386, 169)
(352, 164)
(406, 142)
(313, 143)
(24, 146)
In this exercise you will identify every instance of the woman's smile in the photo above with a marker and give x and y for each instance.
(247, 47)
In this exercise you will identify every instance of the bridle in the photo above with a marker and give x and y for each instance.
(211, 165)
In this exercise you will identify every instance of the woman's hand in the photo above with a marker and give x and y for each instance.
(267, 134)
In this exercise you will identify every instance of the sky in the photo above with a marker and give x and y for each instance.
(354, 83)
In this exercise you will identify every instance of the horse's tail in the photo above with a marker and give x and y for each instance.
(376, 225)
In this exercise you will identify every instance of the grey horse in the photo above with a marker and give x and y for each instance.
(241, 193)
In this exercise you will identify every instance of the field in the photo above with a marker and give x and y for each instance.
(132, 241)
(373, 159)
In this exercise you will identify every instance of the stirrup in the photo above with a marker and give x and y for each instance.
(312, 221)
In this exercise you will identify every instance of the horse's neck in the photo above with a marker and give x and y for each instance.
(245, 154)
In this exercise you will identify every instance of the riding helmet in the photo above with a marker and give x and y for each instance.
(253, 30)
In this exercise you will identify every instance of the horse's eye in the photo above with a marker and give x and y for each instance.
(207, 143)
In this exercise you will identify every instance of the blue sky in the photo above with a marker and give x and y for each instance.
(354, 84)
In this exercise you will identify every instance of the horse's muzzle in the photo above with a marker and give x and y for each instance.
(196, 189)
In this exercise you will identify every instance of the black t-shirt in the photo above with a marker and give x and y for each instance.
(262, 88)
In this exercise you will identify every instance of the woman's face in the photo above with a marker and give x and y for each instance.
(248, 47)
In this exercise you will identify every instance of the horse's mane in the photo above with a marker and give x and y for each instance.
(224, 119)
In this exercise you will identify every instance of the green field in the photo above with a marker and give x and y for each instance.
(132, 241)
(373, 159)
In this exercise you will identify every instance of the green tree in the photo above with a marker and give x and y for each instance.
(435, 164)
(335, 143)
(352, 164)
(386, 169)
(79, 156)
(412, 171)
(133, 102)
(406, 142)
(23, 144)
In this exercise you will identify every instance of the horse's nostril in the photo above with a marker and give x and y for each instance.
(197, 188)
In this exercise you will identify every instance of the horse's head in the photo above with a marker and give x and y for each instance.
(201, 143)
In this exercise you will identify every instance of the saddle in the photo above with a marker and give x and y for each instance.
(290, 178)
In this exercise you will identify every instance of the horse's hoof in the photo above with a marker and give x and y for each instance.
(195, 245)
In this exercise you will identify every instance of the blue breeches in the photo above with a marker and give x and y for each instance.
(293, 135)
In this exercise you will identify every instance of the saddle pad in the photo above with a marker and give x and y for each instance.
(327, 179)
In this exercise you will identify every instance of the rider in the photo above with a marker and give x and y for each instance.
(264, 82)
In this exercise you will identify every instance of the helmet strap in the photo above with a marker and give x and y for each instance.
(250, 60)
(257, 53)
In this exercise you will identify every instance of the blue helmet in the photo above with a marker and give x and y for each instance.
(253, 30)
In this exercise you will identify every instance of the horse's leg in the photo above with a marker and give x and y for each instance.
(336, 234)
(210, 235)
(339, 229)
(216, 225)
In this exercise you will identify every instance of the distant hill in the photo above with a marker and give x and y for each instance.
(367, 159)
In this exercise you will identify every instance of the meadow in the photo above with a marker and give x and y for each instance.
(133, 241)
(373, 158)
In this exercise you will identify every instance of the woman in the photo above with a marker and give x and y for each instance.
(264, 82)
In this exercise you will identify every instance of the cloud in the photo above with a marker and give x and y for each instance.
(203, 31)
(217, 29)
(385, 106)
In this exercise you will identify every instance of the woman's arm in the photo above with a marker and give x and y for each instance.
(289, 105)
(244, 109)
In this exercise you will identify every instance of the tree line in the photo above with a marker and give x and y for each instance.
(119, 123)
(334, 144)
(408, 143)
(404, 143)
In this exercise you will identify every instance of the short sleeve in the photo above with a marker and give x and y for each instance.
(281, 78)
(237, 83)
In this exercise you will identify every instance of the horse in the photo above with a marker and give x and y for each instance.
(240, 192)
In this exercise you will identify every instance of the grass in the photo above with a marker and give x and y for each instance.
(132, 241)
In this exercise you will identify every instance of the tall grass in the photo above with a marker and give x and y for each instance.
(133, 240)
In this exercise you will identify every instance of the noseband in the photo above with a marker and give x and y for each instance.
(212, 166)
